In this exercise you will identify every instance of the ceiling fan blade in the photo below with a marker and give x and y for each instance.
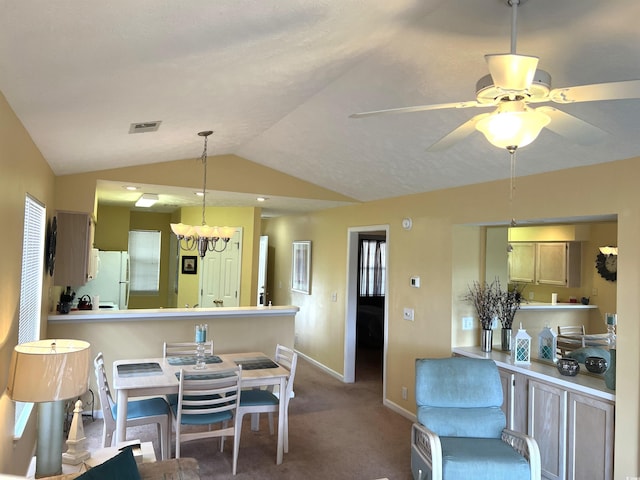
(463, 131)
(572, 127)
(421, 108)
(511, 72)
(596, 92)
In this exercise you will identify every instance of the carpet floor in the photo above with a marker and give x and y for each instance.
(336, 431)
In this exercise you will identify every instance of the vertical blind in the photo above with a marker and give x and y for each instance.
(372, 268)
(144, 258)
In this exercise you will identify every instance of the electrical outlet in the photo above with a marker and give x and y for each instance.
(531, 295)
(467, 323)
(404, 393)
(408, 314)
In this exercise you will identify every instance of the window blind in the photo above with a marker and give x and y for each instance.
(144, 257)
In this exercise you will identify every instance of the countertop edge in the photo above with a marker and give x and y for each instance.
(161, 314)
(586, 384)
(557, 306)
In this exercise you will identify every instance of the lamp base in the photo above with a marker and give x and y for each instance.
(49, 443)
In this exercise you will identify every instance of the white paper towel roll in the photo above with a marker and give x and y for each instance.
(554, 298)
(95, 302)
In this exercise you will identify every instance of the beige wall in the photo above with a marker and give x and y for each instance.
(22, 171)
(447, 256)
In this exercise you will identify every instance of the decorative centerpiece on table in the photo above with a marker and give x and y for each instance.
(508, 305)
(485, 298)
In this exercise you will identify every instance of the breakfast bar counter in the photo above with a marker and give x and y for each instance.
(122, 334)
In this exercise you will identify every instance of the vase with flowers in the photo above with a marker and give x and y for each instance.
(508, 305)
(485, 298)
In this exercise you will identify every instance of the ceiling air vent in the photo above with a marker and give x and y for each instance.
(143, 127)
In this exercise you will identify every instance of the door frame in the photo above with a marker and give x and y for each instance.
(351, 307)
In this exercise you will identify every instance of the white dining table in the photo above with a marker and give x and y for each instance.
(145, 377)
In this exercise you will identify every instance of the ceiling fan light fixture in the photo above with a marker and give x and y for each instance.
(512, 72)
(512, 125)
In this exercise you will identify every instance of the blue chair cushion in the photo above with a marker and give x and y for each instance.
(255, 397)
(147, 407)
(458, 382)
(482, 459)
(205, 419)
(463, 422)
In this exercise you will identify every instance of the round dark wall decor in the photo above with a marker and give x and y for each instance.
(607, 266)
(50, 249)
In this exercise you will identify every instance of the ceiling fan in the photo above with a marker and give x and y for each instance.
(514, 82)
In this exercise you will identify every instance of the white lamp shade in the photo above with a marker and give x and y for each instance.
(205, 231)
(512, 125)
(227, 232)
(512, 72)
(182, 230)
(49, 370)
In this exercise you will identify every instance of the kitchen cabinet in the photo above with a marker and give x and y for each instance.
(590, 431)
(571, 418)
(547, 413)
(546, 263)
(73, 265)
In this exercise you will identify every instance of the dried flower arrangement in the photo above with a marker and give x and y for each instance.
(486, 299)
(508, 304)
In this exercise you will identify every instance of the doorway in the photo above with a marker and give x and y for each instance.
(366, 323)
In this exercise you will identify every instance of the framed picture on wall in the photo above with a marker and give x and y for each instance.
(189, 264)
(301, 267)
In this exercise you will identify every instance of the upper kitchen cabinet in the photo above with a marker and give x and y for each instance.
(546, 263)
(73, 248)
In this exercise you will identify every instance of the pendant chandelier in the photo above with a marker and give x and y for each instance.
(203, 237)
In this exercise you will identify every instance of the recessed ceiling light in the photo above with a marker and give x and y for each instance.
(262, 199)
(199, 194)
(147, 200)
(131, 188)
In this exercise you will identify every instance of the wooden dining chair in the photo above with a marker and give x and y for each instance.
(139, 412)
(569, 338)
(257, 401)
(206, 399)
(174, 349)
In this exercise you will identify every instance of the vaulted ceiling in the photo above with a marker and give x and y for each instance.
(277, 80)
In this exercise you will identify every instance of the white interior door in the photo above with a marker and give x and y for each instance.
(220, 277)
(263, 256)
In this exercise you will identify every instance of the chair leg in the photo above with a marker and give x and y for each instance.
(271, 423)
(107, 437)
(286, 432)
(255, 422)
(236, 441)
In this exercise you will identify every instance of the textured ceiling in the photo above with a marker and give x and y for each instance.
(277, 80)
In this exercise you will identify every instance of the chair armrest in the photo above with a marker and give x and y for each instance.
(527, 447)
(427, 444)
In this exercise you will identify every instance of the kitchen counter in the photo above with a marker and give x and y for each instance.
(155, 314)
(590, 384)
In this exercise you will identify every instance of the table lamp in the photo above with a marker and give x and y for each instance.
(47, 372)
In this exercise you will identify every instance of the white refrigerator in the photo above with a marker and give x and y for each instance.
(111, 283)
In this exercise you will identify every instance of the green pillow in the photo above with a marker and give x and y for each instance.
(581, 354)
(121, 467)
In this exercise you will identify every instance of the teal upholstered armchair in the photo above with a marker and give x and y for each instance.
(460, 432)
